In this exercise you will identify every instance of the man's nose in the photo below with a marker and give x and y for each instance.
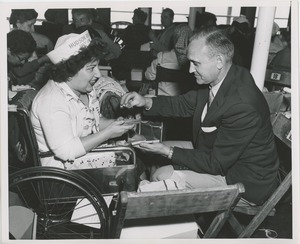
(192, 68)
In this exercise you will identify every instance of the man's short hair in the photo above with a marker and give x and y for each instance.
(169, 11)
(140, 14)
(19, 42)
(217, 40)
(22, 15)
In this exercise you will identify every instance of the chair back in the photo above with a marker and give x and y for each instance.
(185, 80)
(23, 148)
(139, 205)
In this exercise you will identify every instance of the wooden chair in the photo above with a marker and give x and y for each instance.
(140, 205)
(184, 79)
(259, 212)
(282, 129)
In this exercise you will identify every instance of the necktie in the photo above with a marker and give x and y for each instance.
(210, 97)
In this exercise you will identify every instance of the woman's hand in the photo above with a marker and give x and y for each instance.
(157, 148)
(118, 128)
(133, 99)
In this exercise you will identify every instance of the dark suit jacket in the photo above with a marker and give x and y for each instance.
(242, 146)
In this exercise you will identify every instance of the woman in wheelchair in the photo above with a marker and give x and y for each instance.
(65, 113)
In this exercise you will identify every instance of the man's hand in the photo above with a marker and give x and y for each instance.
(133, 99)
(157, 148)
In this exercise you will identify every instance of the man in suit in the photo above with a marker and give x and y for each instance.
(233, 139)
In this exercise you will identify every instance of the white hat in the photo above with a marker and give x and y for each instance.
(69, 45)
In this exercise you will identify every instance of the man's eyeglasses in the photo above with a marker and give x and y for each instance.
(21, 60)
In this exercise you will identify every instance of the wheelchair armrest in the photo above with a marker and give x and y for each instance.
(102, 157)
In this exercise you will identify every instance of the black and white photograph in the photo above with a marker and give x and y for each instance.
(149, 121)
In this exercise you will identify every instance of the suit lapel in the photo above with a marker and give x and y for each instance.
(219, 99)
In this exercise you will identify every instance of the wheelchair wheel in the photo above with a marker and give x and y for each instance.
(66, 205)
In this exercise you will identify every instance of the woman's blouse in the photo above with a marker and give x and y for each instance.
(59, 119)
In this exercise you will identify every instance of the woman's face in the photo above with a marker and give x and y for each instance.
(85, 79)
(27, 26)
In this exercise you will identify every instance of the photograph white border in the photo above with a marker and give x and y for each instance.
(6, 4)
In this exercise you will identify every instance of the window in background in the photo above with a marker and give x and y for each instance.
(224, 15)
(281, 16)
(117, 15)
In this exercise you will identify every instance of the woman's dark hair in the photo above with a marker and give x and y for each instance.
(22, 15)
(19, 42)
(66, 69)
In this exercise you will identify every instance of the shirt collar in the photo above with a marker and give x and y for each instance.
(68, 91)
(216, 87)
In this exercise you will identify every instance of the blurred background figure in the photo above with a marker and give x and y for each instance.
(24, 19)
(82, 20)
(52, 25)
(175, 59)
(138, 33)
(277, 42)
(205, 19)
(242, 36)
(164, 41)
(24, 68)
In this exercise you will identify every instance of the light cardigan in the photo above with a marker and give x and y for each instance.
(59, 119)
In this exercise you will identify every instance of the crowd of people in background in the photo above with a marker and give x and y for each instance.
(123, 58)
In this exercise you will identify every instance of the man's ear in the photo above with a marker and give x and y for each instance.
(220, 61)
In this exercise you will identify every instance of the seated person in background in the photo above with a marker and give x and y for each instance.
(241, 35)
(277, 42)
(99, 20)
(65, 113)
(138, 33)
(174, 59)
(83, 17)
(233, 140)
(52, 25)
(282, 59)
(24, 68)
(164, 41)
(24, 19)
(205, 19)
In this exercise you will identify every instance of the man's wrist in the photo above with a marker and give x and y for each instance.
(148, 103)
(170, 154)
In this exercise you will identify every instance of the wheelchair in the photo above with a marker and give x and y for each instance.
(65, 204)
